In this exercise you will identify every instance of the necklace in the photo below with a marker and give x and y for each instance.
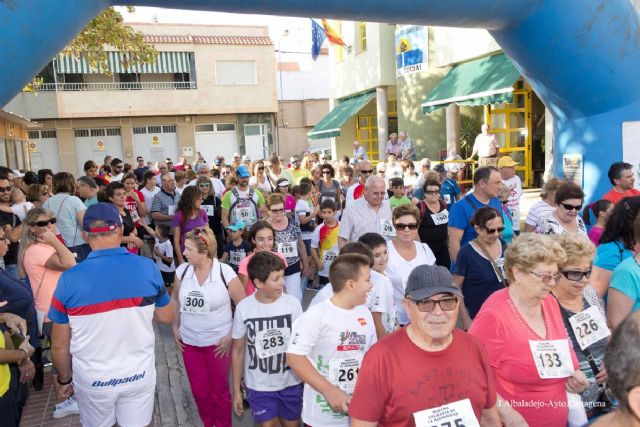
(514, 301)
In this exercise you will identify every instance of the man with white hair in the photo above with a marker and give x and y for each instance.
(364, 170)
(486, 147)
(358, 151)
(407, 150)
(368, 214)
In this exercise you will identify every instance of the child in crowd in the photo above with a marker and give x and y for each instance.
(261, 333)
(262, 237)
(330, 340)
(163, 252)
(601, 210)
(381, 302)
(238, 248)
(306, 214)
(282, 185)
(19, 205)
(324, 241)
(396, 185)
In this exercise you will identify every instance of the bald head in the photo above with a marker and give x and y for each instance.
(374, 190)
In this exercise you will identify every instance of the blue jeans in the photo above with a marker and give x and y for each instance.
(81, 251)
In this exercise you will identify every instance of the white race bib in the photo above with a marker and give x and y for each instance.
(589, 326)
(344, 372)
(243, 214)
(455, 414)
(208, 209)
(328, 257)
(135, 217)
(236, 256)
(171, 210)
(552, 358)
(447, 198)
(194, 302)
(272, 341)
(387, 228)
(500, 265)
(288, 249)
(440, 217)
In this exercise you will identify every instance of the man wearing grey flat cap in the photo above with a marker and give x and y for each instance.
(429, 372)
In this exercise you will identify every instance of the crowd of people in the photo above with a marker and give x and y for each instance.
(430, 306)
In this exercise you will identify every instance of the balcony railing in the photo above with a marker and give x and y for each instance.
(57, 87)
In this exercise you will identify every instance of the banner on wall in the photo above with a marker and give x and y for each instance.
(412, 49)
(572, 168)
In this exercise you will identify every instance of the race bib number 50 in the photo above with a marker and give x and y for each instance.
(552, 358)
(455, 414)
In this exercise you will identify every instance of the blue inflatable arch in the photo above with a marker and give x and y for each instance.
(581, 57)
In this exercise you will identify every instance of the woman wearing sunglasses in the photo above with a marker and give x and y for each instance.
(578, 300)
(433, 225)
(566, 218)
(42, 258)
(522, 330)
(405, 254)
(260, 179)
(479, 268)
(212, 205)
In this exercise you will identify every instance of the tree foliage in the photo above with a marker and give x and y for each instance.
(109, 29)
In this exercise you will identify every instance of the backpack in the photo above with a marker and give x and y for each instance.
(236, 194)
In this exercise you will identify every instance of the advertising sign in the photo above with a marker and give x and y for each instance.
(412, 49)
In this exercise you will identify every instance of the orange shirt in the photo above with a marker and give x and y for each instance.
(614, 196)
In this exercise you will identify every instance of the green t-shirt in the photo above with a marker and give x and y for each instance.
(244, 209)
(395, 202)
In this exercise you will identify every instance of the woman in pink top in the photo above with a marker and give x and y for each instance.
(522, 329)
(601, 210)
(262, 237)
(43, 257)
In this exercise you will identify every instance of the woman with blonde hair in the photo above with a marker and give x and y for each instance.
(201, 300)
(38, 194)
(522, 329)
(42, 257)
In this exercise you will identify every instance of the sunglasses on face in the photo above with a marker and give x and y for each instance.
(204, 184)
(576, 276)
(326, 172)
(494, 230)
(367, 172)
(568, 207)
(432, 193)
(5, 189)
(428, 305)
(401, 226)
(260, 168)
(45, 223)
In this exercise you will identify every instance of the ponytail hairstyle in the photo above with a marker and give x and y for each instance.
(597, 208)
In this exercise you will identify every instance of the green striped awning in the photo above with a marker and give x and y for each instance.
(330, 124)
(479, 82)
(166, 62)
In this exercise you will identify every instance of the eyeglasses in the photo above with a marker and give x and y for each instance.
(546, 278)
(428, 305)
(494, 230)
(45, 222)
(401, 226)
(367, 172)
(204, 184)
(576, 276)
(5, 189)
(432, 193)
(569, 207)
(326, 172)
(277, 211)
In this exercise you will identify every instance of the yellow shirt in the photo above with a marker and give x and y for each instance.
(5, 374)
(298, 174)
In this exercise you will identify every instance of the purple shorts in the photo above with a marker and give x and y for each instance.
(267, 405)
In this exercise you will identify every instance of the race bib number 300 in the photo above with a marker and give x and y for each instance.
(455, 414)
(194, 302)
(589, 327)
(272, 341)
(552, 358)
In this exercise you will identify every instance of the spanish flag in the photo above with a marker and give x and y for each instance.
(332, 35)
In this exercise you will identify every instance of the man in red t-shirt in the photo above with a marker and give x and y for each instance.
(428, 373)
(622, 178)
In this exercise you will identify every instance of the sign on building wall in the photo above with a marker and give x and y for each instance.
(572, 168)
(412, 49)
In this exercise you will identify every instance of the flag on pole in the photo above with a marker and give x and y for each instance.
(318, 37)
(332, 35)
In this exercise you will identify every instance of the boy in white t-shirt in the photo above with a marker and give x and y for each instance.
(324, 241)
(383, 306)
(329, 342)
(261, 333)
(507, 167)
(163, 254)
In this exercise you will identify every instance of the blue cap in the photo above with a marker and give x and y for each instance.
(243, 172)
(236, 225)
(101, 212)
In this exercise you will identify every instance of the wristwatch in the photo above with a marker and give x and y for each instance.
(64, 382)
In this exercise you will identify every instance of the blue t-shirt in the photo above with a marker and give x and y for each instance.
(626, 279)
(610, 255)
(462, 212)
(480, 279)
(237, 253)
(449, 191)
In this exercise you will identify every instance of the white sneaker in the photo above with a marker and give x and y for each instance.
(68, 407)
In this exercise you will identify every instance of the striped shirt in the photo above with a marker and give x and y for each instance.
(359, 218)
(161, 203)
